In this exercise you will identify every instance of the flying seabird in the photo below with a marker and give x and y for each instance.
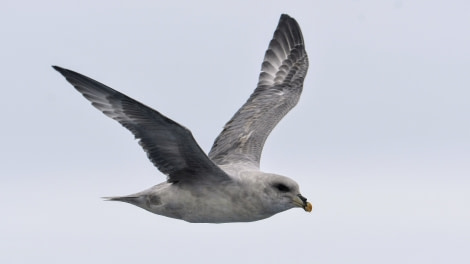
(226, 185)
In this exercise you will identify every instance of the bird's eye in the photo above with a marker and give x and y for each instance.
(281, 187)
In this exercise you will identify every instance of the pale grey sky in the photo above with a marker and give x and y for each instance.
(379, 142)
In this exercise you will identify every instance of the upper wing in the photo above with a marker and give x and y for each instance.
(170, 146)
(279, 87)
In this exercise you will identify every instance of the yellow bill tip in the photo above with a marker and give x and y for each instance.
(308, 207)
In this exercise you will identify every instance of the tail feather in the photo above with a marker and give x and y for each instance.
(126, 199)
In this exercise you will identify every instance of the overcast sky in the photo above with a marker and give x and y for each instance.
(379, 142)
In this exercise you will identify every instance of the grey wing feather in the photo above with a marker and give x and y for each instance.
(170, 146)
(279, 87)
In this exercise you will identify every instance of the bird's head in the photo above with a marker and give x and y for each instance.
(283, 193)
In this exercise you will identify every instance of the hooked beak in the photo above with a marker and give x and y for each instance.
(301, 201)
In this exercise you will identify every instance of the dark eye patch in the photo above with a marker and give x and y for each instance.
(281, 187)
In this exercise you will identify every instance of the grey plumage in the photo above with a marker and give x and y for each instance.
(279, 87)
(226, 185)
(170, 146)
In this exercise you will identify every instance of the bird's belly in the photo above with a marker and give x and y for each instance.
(214, 208)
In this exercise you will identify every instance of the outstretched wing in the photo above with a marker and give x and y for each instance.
(170, 146)
(279, 87)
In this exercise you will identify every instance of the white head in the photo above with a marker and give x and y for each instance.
(279, 193)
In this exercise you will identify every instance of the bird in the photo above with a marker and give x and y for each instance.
(226, 185)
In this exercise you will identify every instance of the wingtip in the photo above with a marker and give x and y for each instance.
(285, 16)
(65, 72)
(57, 68)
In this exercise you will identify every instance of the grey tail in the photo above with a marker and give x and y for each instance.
(126, 199)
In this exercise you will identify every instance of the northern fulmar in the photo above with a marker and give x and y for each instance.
(226, 185)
